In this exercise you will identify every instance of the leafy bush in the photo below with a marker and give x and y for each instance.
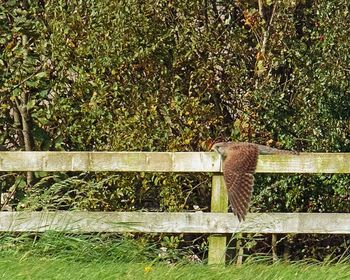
(166, 76)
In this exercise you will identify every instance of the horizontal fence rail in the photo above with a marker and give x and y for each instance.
(167, 222)
(167, 162)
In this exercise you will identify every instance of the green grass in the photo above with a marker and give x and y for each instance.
(41, 268)
(59, 256)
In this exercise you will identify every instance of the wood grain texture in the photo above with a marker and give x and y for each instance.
(305, 163)
(110, 161)
(167, 162)
(219, 200)
(199, 222)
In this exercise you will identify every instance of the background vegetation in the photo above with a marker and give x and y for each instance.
(169, 76)
(58, 256)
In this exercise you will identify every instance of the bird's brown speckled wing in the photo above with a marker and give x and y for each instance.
(239, 167)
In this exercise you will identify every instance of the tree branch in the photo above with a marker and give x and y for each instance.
(266, 31)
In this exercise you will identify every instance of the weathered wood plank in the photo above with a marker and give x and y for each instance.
(199, 222)
(167, 162)
(110, 161)
(305, 163)
(219, 201)
(219, 197)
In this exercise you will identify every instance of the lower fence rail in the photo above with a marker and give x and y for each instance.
(174, 222)
(217, 224)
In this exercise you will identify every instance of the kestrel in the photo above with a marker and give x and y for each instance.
(239, 164)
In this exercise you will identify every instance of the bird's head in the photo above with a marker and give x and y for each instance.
(221, 148)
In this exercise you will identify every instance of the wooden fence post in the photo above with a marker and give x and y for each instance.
(274, 247)
(219, 204)
(239, 249)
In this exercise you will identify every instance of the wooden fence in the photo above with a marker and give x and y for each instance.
(218, 223)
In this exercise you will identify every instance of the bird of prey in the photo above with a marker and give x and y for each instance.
(239, 164)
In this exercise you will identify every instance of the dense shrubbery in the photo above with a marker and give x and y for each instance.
(165, 76)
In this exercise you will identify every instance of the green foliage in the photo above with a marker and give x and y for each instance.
(99, 247)
(168, 76)
(54, 256)
(106, 192)
(72, 247)
(306, 193)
